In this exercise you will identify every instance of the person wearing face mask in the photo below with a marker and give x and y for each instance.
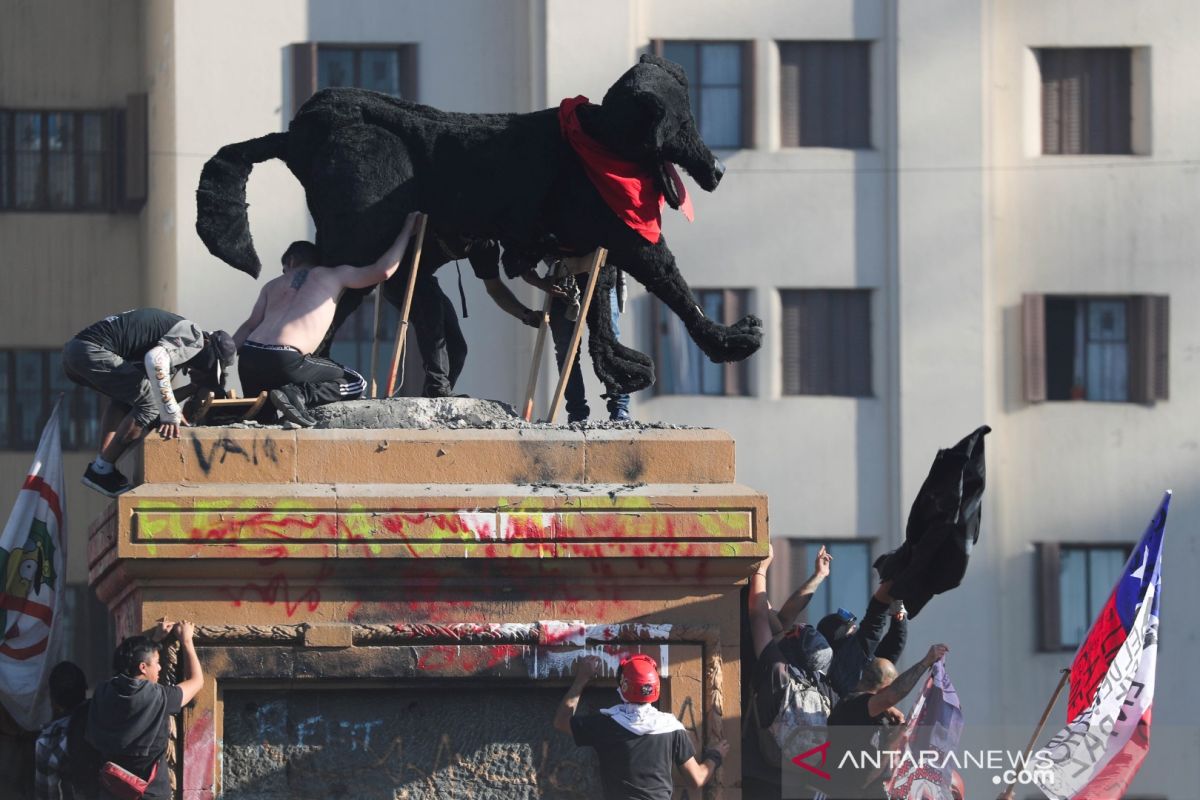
(637, 745)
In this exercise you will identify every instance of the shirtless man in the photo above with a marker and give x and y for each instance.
(290, 319)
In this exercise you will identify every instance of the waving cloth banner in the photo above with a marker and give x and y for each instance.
(933, 730)
(1112, 685)
(33, 561)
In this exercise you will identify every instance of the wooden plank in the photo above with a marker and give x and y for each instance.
(402, 327)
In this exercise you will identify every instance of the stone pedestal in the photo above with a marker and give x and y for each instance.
(395, 613)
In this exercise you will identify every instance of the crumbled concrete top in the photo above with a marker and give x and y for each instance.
(448, 412)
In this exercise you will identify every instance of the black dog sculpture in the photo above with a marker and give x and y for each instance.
(366, 160)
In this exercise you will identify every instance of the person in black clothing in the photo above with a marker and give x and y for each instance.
(637, 744)
(130, 714)
(439, 338)
(855, 645)
(861, 720)
(131, 358)
(779, 641)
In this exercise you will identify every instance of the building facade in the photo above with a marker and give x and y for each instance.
(947, 213)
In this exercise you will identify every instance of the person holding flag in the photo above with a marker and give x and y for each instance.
(1107, 736)
(33, 563)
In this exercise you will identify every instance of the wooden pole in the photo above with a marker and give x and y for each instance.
(1007, 794)
(375, 341)
(593, 274)
(535, 367)
(402, 328)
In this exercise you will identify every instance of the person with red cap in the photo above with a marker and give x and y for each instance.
(637, 745)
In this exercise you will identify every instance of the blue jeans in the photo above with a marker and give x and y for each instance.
(561, 329)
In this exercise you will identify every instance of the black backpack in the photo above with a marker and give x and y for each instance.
(79, 773)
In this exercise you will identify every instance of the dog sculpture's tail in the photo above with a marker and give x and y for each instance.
(221, 217)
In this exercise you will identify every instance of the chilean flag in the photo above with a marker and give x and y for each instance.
(1112, 686)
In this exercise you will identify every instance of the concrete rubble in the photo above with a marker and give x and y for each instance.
(426, 413)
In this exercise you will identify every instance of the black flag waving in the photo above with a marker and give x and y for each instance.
(943, 526)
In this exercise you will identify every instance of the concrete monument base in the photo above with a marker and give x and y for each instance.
(395, 613)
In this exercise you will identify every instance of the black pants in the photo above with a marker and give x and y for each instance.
(439, 337)
(263, 367)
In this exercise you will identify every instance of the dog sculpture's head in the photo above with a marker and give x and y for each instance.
(650, 114)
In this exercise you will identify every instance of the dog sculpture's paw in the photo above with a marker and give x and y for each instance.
(622, 369)
(734, 342)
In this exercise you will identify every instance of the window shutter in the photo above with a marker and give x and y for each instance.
(790, 344)
(1033, 324)
(136, 147)
(1160, 306)
(304, 73)
(1051, 103)
(858, 343)
(656, 47)
(408, 73)
(749, 49)
(1148, 348)
(1049, 635)
(789, 94)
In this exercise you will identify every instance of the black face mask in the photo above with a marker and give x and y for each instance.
(205, 369)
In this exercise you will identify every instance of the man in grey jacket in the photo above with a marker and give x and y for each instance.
(129, 721)
(130, 358)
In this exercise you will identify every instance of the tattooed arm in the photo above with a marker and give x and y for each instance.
(898, 689)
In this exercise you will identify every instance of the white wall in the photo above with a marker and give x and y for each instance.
(1098, 224)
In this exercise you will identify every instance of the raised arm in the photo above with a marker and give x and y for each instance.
(194, 682)
(363, 277)
(801, 597)
(254, 320)
(760, 607)
(585, 669)
(898, 689)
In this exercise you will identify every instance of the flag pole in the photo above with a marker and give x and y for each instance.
(1007, 794)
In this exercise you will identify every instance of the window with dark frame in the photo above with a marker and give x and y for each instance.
(1074, 584)
(682, 367)
(1100, 348)
(57, 160)
(848, 585)
(825, 94)
(30, 382)
(720, 84)
(826, 342)
(1086, 100)
(387, 68)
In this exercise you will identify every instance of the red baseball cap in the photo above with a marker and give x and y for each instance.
(639, 679)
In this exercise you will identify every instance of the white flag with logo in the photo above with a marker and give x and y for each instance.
(33, 559)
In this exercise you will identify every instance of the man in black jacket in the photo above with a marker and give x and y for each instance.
(130, 715)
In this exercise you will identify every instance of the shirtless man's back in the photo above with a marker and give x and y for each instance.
(289, 320)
